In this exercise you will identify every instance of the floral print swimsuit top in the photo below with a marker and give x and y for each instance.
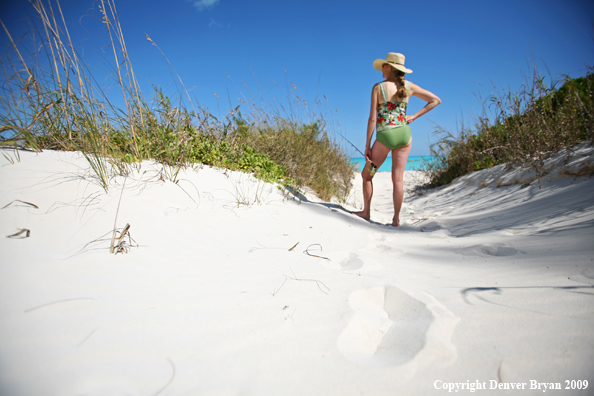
(390, 114)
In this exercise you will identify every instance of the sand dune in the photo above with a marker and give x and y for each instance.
(489, 278)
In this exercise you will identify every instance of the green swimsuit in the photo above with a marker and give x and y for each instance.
(392, 130)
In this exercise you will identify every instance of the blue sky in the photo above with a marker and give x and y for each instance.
(327, 48)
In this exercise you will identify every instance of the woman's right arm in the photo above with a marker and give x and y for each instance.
(372, 120)
(432, 101)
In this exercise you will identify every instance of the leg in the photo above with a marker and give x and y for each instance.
(399, 159)
(379, 152)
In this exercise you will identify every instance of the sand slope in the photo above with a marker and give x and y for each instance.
(490, 278)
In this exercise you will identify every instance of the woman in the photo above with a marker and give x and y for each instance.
(388, 115)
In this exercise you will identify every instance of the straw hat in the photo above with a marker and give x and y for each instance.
(393, 59)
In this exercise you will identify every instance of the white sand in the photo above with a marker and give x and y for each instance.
(488, 279)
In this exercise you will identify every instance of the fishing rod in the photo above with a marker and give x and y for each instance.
(349, 142)
(353, 145)
(374, 167)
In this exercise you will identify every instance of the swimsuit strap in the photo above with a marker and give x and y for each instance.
(383, 89)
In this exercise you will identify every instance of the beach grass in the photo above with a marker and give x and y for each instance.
(523, 127)
(52, 100)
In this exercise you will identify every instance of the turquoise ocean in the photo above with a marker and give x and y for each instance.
(414, 163)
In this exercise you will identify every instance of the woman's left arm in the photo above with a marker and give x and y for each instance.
(431, 99)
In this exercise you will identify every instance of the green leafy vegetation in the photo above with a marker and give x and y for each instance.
(526, 127)
(309, 156)
(51, 100)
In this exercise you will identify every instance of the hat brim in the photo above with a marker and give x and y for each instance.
(379, 63)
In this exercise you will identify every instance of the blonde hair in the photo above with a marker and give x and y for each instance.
(399, 76)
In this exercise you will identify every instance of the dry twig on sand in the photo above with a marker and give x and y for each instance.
(320, 284)
(18, 200)
(277, 290)
(57, 302)
(306, 251)
(271, 248)
(170, 380)
(20, 233)
(294, 246)
(323, 288)
(121, 246)
(112, 247)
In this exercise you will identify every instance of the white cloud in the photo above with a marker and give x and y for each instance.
(204, 4)
(214, 23)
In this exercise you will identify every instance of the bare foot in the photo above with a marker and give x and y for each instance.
(396, 221)
(362, 215)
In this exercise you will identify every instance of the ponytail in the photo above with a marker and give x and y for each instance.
(402, 91)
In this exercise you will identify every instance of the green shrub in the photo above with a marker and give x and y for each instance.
(527, 127)
(309, 156)
(58, 104)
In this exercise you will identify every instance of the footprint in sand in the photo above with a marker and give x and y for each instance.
(390, 327)
(384, 249)
(385, 246)
(349, 261)
(489, 249)
(379, 237)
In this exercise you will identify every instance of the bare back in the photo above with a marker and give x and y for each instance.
(391, 90)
